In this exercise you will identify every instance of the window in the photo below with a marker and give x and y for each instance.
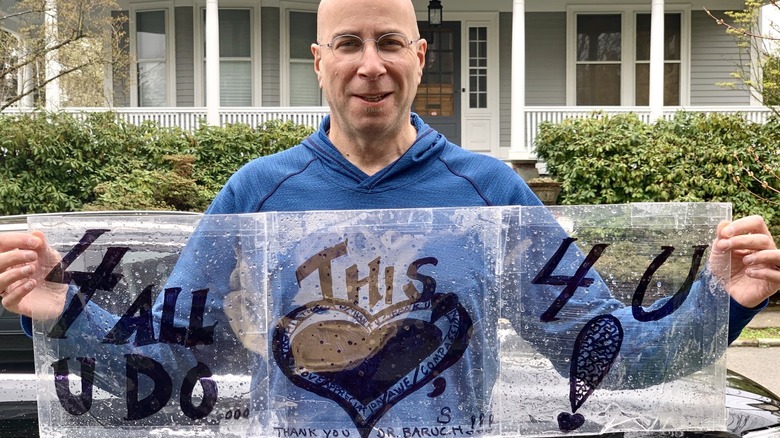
(478, 72)
(598, 59)
(612, 59)
(672, 59)
(151, 50)
(434, 96)
(304, 88)
(235, 56)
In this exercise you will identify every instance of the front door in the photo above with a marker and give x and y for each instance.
(438, 97)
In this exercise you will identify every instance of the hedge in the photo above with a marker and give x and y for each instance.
(692, 157)
(54, 162)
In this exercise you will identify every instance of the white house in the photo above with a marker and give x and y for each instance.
(495, 68)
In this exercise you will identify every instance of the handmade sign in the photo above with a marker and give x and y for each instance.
(501, 321)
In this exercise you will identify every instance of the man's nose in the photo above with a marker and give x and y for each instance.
(371, 63)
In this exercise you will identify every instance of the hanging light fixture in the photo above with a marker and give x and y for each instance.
(434, 13)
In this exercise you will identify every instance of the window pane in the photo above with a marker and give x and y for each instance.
(671, 84)
(478, 70)
(672, 34)
(642, 84)
(598, 84)
(235, 37)
(304, 89)
(439, 40)
(150, 35)
(643, 37)
(598, 37)
(235, 83)
(303, 32)
(151, 84)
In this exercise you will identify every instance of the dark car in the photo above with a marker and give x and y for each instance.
(753, 411)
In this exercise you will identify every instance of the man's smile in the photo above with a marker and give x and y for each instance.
(373, 97)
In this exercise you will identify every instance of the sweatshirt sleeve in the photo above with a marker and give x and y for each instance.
(740, 316)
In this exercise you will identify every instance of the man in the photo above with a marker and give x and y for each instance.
(373, 153)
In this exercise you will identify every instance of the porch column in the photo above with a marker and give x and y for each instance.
(656, 60)
(51, 64)
(518, 149)
(26, 84)
(25, 76)
(212, 62)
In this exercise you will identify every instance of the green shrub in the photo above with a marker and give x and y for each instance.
(692, 157)
(221, 151)
(53, 162)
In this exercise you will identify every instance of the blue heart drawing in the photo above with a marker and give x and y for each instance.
(368, 363)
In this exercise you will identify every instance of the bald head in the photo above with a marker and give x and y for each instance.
(330, 15)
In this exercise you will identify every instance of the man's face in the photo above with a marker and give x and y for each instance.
(368, 96)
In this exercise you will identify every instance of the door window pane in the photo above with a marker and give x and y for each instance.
(435, 94)
(478, 67)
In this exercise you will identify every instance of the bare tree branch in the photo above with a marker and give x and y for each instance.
(42, 85)
(739, 30)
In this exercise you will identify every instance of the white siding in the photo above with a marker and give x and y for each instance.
(505, 80)
(545, 67)
(185, 74)
(270, 56)
(714, 55)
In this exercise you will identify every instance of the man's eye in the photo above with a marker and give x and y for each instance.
(392, 43)
(348, 44)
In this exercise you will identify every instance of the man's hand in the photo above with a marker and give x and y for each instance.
(25, 260)
(755, 260)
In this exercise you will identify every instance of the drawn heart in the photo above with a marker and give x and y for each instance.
(368, 363)
(569, 423)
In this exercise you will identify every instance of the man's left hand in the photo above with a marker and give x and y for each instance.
(748, 246)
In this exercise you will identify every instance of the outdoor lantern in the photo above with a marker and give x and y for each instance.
(434, 12)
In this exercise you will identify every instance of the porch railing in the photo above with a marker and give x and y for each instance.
(189, 118)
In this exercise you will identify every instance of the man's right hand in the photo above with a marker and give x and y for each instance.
(25, 260)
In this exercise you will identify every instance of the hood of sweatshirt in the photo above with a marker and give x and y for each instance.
(427, 148)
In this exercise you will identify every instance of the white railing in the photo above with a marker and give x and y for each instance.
(189, 118)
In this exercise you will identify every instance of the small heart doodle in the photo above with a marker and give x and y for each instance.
(337, 350)
(569, 423)
(595, 350)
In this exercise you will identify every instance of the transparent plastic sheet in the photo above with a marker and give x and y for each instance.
(404, 323)
(646, 357)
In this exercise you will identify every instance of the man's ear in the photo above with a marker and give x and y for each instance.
(315, 51)
(422, 49)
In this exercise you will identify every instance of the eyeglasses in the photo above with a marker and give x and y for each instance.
(349, 48)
